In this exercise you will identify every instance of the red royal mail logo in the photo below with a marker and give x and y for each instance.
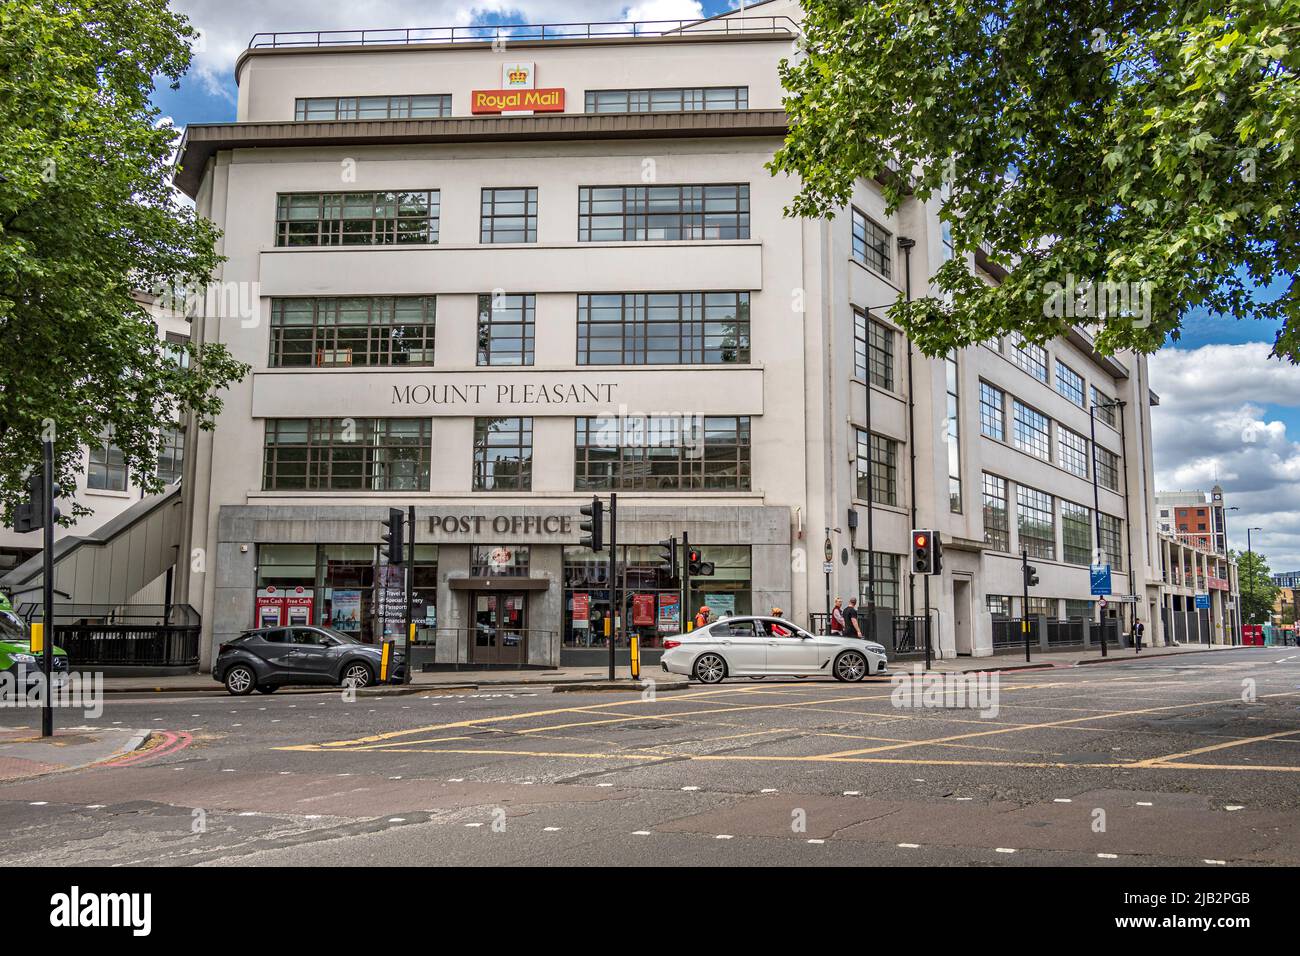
(505, 101)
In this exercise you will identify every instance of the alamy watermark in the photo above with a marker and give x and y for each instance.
(920, 690)
(28, 687)
(1088, 299)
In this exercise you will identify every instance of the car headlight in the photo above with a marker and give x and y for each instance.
(878, 648)
(24, 658)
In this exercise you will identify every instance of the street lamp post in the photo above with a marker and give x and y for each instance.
(1249, 570)
(1096, 501)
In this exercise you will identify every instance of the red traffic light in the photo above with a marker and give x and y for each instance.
(922, 540)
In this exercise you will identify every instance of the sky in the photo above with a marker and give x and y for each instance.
(1227, 413)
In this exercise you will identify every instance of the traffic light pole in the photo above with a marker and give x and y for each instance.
(613, 578)
(688, 612)
(1024, 610)
(410, 596)
(929, 646)
(47, 586)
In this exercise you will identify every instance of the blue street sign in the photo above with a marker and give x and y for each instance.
(1100, 579)
(1202, 602)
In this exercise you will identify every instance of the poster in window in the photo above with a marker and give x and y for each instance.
(643, 610)
(582, 610)
(720, 604)
(345, 611)
(670, 614)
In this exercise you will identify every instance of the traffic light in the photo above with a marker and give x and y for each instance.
(594, 526)
(30, 516)
(668, 569)
(696, 566)
(927, 555)
(1031, 576)
(394, 538)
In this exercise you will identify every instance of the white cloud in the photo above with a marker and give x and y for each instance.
(228, 25)
(1211, 426)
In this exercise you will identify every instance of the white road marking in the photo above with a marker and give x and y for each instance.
(550, 829)
(455, 779)
(1004, 849)
(249, 813)
(852, 793)
(1107, 856)
(690, 788)
(1216, 862)
(397, 819)
(95, 806)
(723, 836)
(1144, 803)
(1063, 800)
(768, 790)
(39, 803)
(816, 841)
(640, 832)
(1235, 807)
(471, 825)
(910, 846)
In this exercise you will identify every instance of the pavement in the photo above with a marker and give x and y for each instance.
(598, 678)
(1189, 759)
(24, 753)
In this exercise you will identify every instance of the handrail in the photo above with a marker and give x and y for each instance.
(404, 36)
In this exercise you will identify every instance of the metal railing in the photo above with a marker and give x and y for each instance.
(1007, 631)
(517, 32)
(130, 635)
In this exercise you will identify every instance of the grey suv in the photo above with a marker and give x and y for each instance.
(271, 657)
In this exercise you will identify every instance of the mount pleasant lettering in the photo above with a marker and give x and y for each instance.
(525, 393)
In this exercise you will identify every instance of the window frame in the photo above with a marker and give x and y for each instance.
(636, 213)
(321, 462)
(871, 244)
(491, 319)
(520, 432)
(640, 323)
(330, 219)
(600, 466)
(489, 217)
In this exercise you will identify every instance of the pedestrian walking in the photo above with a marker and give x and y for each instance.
(837, 618)
(702, 616)
(852, 623)
(1138, 630)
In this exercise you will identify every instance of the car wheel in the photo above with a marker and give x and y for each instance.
(357, 674)
(710, 669)
(267, 688)
(240, 680)
(850, 666)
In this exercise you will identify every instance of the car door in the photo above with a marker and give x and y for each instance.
(310, 654)
(273, 647)
(742, 644)
(789, 650)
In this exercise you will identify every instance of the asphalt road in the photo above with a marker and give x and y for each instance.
(1193, 760)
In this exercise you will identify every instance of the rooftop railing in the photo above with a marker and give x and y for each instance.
(527, 32)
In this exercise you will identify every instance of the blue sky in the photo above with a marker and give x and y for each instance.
(1227, 410)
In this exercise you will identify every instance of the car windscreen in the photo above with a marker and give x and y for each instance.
(339, 635)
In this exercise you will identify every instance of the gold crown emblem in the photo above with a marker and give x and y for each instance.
(518, 76)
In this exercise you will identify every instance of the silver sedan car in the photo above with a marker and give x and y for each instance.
(768, 646)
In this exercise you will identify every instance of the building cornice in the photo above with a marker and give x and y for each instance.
(203, 141)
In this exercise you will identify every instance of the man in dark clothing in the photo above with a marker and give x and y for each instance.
(852, 625)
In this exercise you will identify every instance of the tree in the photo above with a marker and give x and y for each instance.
(87, 217)
(1147, 145)
(1258, 592)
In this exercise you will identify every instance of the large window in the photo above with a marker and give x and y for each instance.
(668, 100)
(171, 459)
(999, 605)
(1105, 412)
(1076, 533)
(663, 213)
(503, 454)
(873, 350)
(1029, 357)
(1031, 431)
(871, 244)
(885, 584)
(1111, 531)
(1035, 522)
(1069, 383)
(371, 107)
(993, 412)
(1107, 465)
(883, 454)
(509, 215)
(952, 429)
(662, 453)
(505, 329)
(997, 526)
(663, 328)
(379, 330)
(107, 470)
(347, 454)
(1072, 451)
(357, 219)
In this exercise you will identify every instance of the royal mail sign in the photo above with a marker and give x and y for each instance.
(518, 93)
(510, 101)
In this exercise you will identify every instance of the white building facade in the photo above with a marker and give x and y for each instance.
(491, 314)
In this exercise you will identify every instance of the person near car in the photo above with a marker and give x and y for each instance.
(702, 616)
(777, 629)
(837, 618)
(852, 623)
